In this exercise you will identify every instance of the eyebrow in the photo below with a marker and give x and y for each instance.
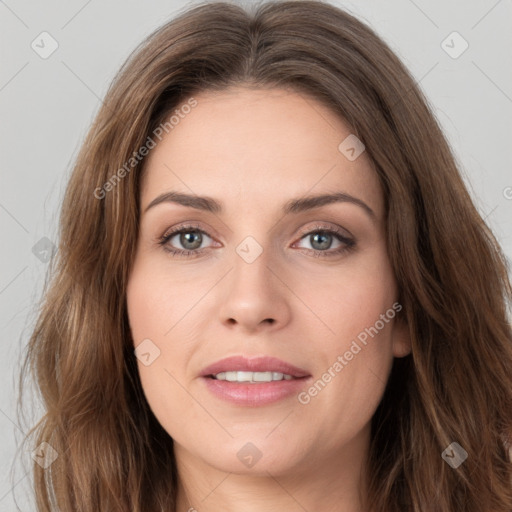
(297, 205)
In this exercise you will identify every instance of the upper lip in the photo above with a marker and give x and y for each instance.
(253, 364)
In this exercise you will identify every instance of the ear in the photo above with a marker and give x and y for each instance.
(401, 338)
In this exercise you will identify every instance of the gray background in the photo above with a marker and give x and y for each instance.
(47, 105)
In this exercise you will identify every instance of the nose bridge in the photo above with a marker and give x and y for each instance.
(254, 294)
(252, 262)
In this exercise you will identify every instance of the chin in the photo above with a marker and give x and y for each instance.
(275, 463)
(252, 455)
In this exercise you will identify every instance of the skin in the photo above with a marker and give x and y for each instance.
(253, 150)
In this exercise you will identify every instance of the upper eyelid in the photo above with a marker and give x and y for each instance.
(335, 229)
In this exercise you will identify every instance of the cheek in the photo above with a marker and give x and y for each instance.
(351, 299)
(355, 352)
(151, 314)
(155, 300)
(162, 307)
(349, 383)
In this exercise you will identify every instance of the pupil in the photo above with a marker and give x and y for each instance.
(187, 238)
(323, 240)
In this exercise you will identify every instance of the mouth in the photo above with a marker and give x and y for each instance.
(253, 381)
(252, 377)
(253, 370)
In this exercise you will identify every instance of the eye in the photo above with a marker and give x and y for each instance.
(322, 238)
(189, 237)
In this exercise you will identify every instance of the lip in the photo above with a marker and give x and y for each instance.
(254, 364)
(254, 394)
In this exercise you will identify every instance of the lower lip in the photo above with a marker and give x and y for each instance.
(253, 395)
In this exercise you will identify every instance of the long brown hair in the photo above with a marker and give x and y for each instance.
(455, 386)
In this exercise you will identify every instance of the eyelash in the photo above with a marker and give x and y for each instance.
(349, 243)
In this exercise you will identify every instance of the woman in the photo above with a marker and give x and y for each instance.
(273, 291)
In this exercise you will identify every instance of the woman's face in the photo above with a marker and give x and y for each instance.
(262, 270)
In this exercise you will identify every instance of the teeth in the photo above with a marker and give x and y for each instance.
(252, 377)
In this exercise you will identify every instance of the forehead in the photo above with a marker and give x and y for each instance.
(264, 145)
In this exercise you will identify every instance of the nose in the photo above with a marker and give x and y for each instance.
(255, 296)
